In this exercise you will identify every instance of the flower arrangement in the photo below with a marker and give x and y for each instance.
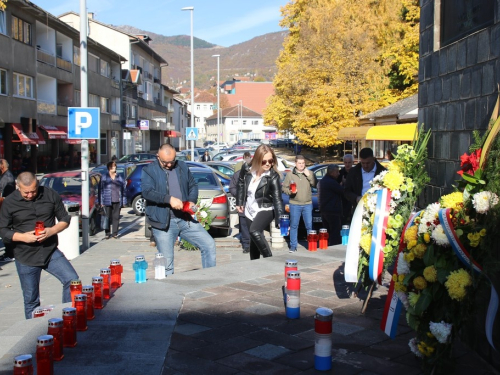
(404, 178)
(201, 215)
(439, 269)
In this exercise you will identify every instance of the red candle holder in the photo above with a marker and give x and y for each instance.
(75, 287)
(106, 282)
(88, 290)
(56, 330)
(39, 227)
(116, 274)
(81, 312)
(97, 284)
(23, 365)
(323, 238)
(312, 240)
(69, 327)
(45, 355)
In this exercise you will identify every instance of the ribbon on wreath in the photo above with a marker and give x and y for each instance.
(352, 251)
(382, 208)
(464, 256)
(393, 304)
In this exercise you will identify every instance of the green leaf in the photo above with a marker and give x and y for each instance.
(459, 232)
(423, 302)
(442, 274)
(408, 277)
(441, 262)
(469, 178)
(429, 258)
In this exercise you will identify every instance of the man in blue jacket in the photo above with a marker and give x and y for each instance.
(166, 184)
(330, 204)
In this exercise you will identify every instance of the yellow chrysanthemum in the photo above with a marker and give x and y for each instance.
(419, 250)
(427, 237)
(430, 274)
(456, 283)
(409, 257)
(413, 298)
(365, 243)
(482, 232)
(411, 234)
(420, 283)
(395, 165)
(453, 200)
(411, 244)
(393, 179)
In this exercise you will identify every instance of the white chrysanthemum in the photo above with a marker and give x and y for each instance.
(441, 331)
(483, 201)
(439, 236)
(203, 214)
(404, 299)
(414, 347)
(372, 202)
(430, 215)
(396, 194)
(403, 266)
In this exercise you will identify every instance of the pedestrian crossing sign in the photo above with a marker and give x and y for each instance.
(191, 134)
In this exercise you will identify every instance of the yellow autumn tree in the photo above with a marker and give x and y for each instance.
(331, 67)
(2, 4)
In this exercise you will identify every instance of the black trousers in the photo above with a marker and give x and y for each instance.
(258, 243)
(244, 232)
(334, 225)
(113, 213)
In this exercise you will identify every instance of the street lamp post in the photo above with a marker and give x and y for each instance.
(240, 132)
(218, 98)
(191, 9)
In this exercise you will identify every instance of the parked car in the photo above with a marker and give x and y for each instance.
(69, 186)
(277, 143)
(181, 155)
(208, 143)
(225, 167)
(283, 165)
(137, 158)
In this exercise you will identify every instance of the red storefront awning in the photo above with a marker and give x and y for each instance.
(77, 141)
(55, 132)
(30, 138)
(172, 134)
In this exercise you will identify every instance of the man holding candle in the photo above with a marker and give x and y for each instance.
(36, 252)
(297, 185)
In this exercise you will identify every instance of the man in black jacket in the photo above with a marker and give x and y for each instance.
(330, 204)
(359, 178)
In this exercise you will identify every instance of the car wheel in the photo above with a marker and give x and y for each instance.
(232, 203)
(93, 225)
(139, 205)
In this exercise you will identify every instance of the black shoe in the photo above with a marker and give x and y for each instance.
(107, 236)
(246, 250)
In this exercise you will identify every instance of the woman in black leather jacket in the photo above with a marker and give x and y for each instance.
(259, 197)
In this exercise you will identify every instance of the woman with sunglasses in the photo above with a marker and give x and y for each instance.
(259, 198)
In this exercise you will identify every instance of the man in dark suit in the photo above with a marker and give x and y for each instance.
(360, 176)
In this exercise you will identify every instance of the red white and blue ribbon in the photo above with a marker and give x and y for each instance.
(376, 264)
(393, 305)
(464, 256)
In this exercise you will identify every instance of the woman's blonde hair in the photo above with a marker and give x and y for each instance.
(258, 156)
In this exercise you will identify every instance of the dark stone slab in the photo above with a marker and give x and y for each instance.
(435, 65)
(452, 58)
(483, 46)
(427, 67)
(204, 319)
(295, 326)
(495, 41)
(446, 88)
(476, 81)
(470, 114)
(253, 365)
(472, 49)
(190, 364)
(278, 338)
(183, 343)
(488, 82)
(460, 144)
(267, 351)
(461, 54)
(455, 86)
(465, 83)
(226, 332)
(302, 360)
(218, 350)
(379, 365)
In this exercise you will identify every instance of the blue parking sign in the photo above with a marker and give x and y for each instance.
(84, 123)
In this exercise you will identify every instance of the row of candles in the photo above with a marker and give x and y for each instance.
(61, 332)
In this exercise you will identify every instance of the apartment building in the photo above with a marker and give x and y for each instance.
(147, 104)
(40, 79)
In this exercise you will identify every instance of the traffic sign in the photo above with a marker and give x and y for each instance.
(84, 123)
(191, 134)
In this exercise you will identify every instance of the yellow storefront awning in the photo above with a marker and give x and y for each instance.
(405, 132)
(353, 134)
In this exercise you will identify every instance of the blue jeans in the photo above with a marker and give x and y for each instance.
(191, 231)
(29, 277)
(296, 211)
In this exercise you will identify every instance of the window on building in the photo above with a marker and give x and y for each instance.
(21, 30)
(198, 107)
(244, 122)
(131, 111)
(3, 82)
(197, 119)
(104, 143)
(94, 100)
(59, 50)
(23, 86)
(76, 55)
(77, 102)
(148, 93)
(460, 18)
(255, 122)
(105, 68)
(93, 63)
(115, 106)
(105, 105)
(3, 24)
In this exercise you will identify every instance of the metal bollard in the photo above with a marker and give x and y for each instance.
(290, 265)
(69, 242)
(293, 295)
(323, 339)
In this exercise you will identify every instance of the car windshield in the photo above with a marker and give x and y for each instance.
(204, 179)
(63, 185)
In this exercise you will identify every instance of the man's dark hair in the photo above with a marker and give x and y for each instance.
(299, 157)
(366, 153)
(247, 154)
(331, 168)
(166, 147)
(26, 178)
(110, 164)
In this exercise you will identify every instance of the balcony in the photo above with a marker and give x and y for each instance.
(170, 108)
(157, 80)
(115, 117)
(46, 107)
(62, 110)
(45, 57)
(64, 64)
(157, 101)
(115, 84)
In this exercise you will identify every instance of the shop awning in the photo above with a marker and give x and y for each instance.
(404, 132)
(55, 132)
(172, 134)
(77, 141)
(353, 134)
(28, 139)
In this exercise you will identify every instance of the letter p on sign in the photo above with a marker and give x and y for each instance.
(83, 120)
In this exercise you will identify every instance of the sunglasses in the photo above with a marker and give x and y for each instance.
(166, 163)
(270, 162)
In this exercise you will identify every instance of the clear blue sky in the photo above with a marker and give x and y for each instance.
(222, 22)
